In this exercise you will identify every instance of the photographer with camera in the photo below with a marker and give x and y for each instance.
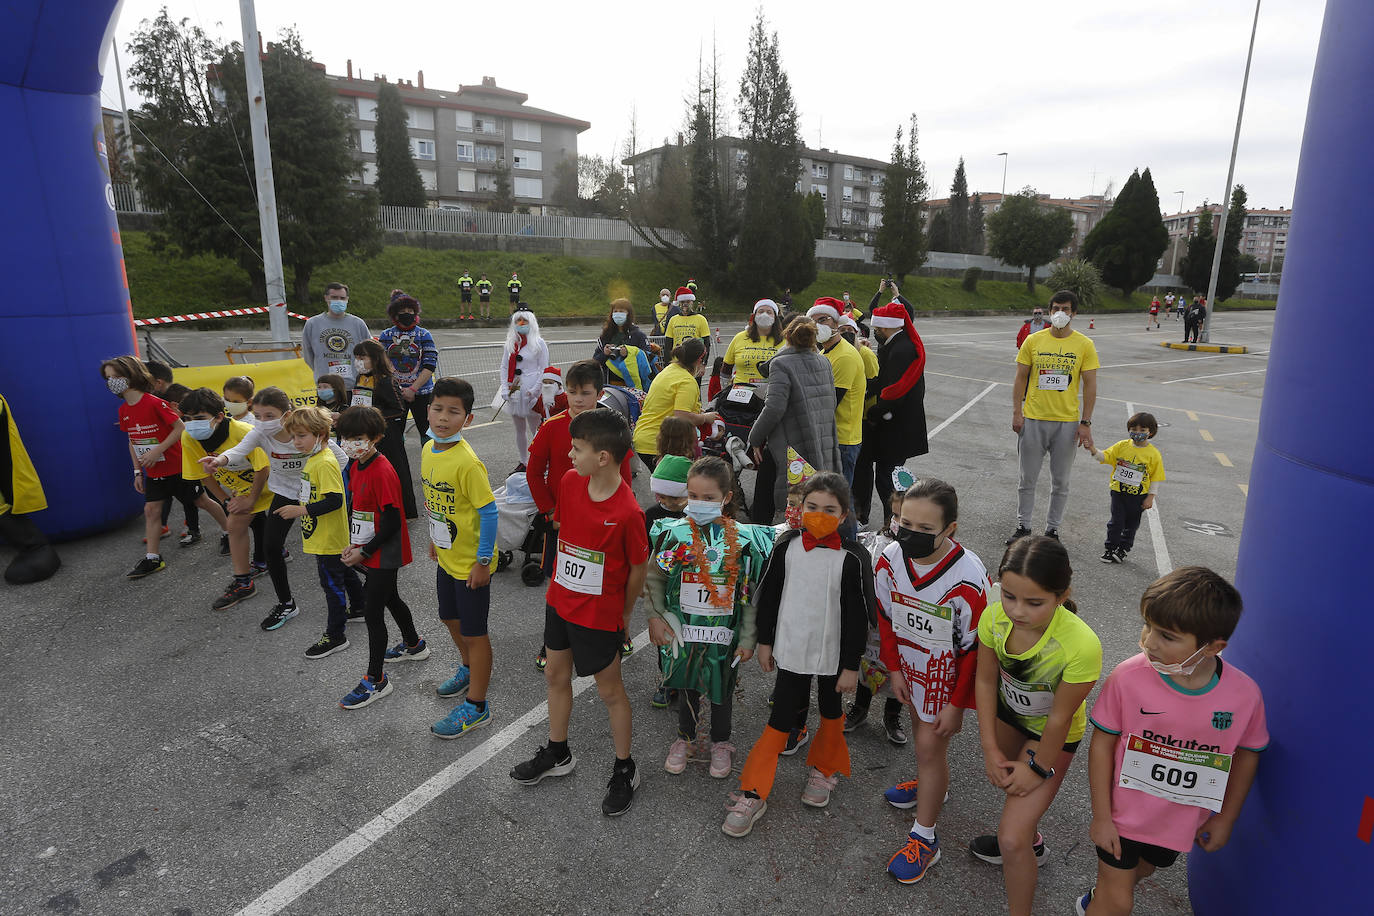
(888, 287)
(623, 351)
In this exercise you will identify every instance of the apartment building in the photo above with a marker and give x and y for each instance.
(461, 139)
(851, 186)
(1264, 235)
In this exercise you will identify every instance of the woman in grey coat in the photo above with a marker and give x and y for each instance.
(798, 413)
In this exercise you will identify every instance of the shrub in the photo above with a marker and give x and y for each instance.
(971, 277)
(1082, 277)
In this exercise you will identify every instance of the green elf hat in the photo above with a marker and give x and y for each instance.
(670, 476)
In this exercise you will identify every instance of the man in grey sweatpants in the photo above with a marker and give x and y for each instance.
(1051, 366)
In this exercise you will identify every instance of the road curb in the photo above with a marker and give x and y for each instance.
(1205, 348)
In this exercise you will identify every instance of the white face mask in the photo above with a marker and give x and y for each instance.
(362, 366)
(236, 408)
(355, 448)
(1178, 669)
(663, 299)
(1060, 319)
(823, 333)
(764, 320)
(270, 427)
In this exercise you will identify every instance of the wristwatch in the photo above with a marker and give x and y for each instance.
(1037, 769)
(1085, 422)
(485, 561)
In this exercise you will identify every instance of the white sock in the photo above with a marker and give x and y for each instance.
(153, 556)
(925, 833)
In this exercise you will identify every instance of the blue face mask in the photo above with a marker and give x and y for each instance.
(445, 440)
(200, 430)
(619, 317)
(522, 329)
(1139, 438)
(704, 511)
(325, 394)
(338, 306)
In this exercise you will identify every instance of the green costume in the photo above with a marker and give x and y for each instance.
(709, 635)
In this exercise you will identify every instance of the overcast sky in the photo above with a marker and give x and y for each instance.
(1077, 92)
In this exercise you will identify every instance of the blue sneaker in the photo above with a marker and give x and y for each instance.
(911, 862)
(462, 720)
(1080, 906)
(902, 795)
(403, 653)
(367, 691)
(456, 686)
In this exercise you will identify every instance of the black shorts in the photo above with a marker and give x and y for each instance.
(157, 489)
(1004, 716)
(592, 650)
(485, 297)
(467, 295)
(468, 606)
(1132, 851)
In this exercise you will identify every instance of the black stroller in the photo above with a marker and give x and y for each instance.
(738, 407)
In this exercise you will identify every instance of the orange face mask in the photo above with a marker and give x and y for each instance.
(820, 524)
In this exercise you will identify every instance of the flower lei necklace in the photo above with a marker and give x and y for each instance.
(704, 556)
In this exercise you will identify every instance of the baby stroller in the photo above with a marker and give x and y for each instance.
(738, 407)
(520, 526)
(628, 402)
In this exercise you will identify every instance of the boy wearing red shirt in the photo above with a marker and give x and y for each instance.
(154, 428)
(380, 544)
(602, 558)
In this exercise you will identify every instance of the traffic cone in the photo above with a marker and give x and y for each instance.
(718, 340)
(1090, 324)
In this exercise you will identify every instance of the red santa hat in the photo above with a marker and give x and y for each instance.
(894, 315)
(553, 374)
(826, 307)
(685, 295)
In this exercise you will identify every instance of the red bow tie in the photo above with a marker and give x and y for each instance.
(831, 540)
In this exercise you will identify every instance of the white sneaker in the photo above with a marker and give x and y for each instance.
(743, 812)
(818, 789)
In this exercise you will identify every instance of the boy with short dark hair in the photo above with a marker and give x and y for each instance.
(1176, 742)
(462, 518)
(162, 376)
(1137, 469)
(602, 559)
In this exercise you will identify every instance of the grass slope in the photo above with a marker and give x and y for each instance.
(166, 284)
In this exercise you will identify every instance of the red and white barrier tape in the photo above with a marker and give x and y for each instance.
(200, 316)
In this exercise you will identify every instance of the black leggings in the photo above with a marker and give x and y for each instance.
(187, 496)
(259, 528)
(394, 448)
(792, 696)
(419, 412)
(688, 712)
(765, 503)
(380, 594)
(275, 530)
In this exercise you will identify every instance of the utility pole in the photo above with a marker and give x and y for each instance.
(1005, 157)
(1230, 176)
(262, 163)
(1173, 269)
(128, 127)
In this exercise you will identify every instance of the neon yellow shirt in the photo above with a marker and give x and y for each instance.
(745, 355)
(456, 486)
(1056, 368)
(848, 368)
(236, 479)
(681, 327)
(327, 534)
(1130, 462)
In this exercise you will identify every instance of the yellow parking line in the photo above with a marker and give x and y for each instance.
(1225, 462)
(1206, 436)
(1191, 416)
(1244, 488)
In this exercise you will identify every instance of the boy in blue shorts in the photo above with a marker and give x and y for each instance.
(1137, 470)
(461, 513)
(1177, 739)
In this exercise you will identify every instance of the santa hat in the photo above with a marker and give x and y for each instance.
(553, 374)
(894, 315)
(670, 476)
(765, 304)
(826, 307)
(685, 295)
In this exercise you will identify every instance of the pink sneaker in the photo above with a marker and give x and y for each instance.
(742, 812)
(676, 761)
(722, 759)
(818, 789)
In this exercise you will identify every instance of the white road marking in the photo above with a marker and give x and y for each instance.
(1198, 378)
(960, 412)
(1185, 359)
(284, 892)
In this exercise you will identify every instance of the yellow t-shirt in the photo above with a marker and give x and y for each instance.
(848, 368)
(327, 534)
(674, 389)
(1068, 650)
(236, 479)
(1134, 468)
(870, 373)
(456, 486)
(1056, 366)
(745, 355)
(681, 327)
(660, 313)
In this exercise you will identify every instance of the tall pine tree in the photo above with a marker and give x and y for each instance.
(938, 233)
(958, 211)
(901, 242)
(398, 178)
(1228, 278)
(1128, 242)
(977, 242)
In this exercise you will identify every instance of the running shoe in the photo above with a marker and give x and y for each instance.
(722, 759)
(678, 752)
(986, 848)
(902, 795)
(1109, 556)
(355, 613)
(403, 653)
(620, 791)
(464, 718)
(544, 763)
(855, 717)
(189, 538)
(896, 734)
(909, 864)
(1121, 554)
(742, 812)
(327, 645)
(816, 792)
(257, 568)
(456, 686)
(146, 567)
(795, 739)
(277, 617)
(367, 691)
(627, 648)
(1052, 533)
(1020, 532)
(660, 700)
(1080, 904)
(234, 592)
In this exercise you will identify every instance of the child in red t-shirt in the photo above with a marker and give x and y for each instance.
(154, 428)
(380, 544)
(549, 459)
(602, 558)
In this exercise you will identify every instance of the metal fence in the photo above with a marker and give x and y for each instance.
(480, 222)
(126, 201)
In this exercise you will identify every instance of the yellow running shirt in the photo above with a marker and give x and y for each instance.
(848, 368)
(235, 478)
(1056, 366)
(745, 355)
(1135, 468)
(456, 486)
(674, 389)
(327, 534)
(681, 327)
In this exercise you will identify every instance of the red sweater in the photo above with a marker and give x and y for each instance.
(549, 461)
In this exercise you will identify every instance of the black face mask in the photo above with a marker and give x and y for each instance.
(405, 320)
(916, 545)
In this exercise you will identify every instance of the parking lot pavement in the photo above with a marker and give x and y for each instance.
(163, 758)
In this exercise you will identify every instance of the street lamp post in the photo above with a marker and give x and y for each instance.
(1004, 176)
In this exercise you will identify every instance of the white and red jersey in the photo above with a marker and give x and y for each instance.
(928, 621)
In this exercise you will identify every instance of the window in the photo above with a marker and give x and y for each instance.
(819, 189)
(848, 193)
(858, 174)
(465, 151)
(430, 178)
(467, 180)
(488, 153)
(528, 187)
(423, 149)
(420, 118)
(820, 170)
(860, 197)
(369, 173)
(849, 173)
(367, 141)
(462, 120)
(486, 126)
(367, 109)
(529, 131)
(529, 160)
(875, 219)
(846, 216)
(486, 181)
(876, 179)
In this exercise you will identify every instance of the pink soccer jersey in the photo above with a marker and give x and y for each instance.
(1173, 759)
